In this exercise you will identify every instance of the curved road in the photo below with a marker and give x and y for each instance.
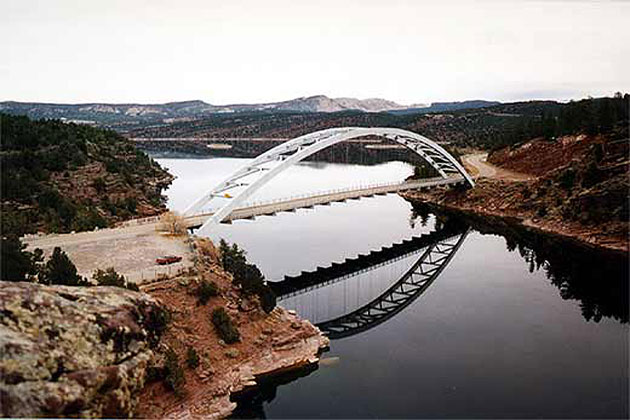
(487, 170)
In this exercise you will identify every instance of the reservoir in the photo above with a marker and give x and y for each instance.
(509, 324)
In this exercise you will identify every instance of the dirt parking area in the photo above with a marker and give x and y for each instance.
(131, 251)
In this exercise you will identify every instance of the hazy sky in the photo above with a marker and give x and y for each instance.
(233, 51)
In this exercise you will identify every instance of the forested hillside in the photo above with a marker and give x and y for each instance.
(59, 177)
(489, 128)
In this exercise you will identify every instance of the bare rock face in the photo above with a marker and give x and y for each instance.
(74, 351)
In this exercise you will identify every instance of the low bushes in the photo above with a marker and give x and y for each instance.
(110, 277)
(224, 326)
(205, 291)
(172, 223)
(192, 358)
(247, 276)
(175, 378)
(156, 324)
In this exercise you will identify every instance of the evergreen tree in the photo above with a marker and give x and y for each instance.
(16, 264)
(60, 270)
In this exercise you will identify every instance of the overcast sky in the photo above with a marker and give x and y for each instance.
(234, 51)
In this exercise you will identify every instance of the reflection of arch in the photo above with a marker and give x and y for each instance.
(336, 272)
(410, 286)
(269, 164)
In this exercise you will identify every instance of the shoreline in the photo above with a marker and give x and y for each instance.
(586, 236)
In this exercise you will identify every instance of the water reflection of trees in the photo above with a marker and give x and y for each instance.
(251, 403)
(597, 279)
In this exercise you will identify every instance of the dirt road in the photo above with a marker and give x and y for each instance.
(484, 169)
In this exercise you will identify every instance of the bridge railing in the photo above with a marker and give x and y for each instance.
(357, 188)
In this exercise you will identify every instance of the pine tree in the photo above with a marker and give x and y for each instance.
(60, 270)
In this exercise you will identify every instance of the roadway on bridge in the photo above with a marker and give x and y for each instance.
(132, 248)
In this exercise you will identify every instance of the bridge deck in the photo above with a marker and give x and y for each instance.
(142, 242)
(291, 204)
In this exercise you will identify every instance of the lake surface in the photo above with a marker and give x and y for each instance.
(512, 326)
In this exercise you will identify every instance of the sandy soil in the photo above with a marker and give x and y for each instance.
(131, 251)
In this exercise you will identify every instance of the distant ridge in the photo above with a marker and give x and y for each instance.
(112, 114)
(447, 106)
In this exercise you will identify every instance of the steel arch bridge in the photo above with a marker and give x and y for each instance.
(254, 175)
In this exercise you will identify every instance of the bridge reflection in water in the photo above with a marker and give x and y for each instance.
(348, 298)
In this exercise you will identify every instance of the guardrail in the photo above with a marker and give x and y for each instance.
(337, 194)
(315, 196)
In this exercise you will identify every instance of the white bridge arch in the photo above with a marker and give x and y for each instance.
(269, 164)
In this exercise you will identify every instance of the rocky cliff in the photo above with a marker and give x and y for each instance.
(74, 351)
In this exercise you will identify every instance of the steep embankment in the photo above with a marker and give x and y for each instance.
(112, 352)
(59, 177)
(580, 189)
(269, 343)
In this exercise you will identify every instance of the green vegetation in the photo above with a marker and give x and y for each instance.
(17, 264)
(205, 291)
(224, 326)
(246, 276)
(488, 128)
(156, 324)
(175, 378)
(192, 358)
(60, 270)
(60, 177)
(110, 277)
(588, 116)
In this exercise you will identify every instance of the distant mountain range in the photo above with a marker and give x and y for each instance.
(129, 114)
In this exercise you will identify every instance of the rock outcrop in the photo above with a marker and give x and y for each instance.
(74, 351)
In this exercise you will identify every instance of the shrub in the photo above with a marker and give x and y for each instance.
(172, 223)
(206, 290)
(110, 277)
(231, 256)
(60, 270)
(247, 276)
(175, 378)
(99, 185)
(591, 175)
(133, 286)
(192, 358)
(267, 299)
(156, 324)
(224, 326)
(567, 179)
(130, 204)
(87, 219)
(112, 166)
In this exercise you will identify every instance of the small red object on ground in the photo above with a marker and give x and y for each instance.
(168, 259)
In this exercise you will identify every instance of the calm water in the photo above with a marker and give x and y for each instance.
(514, 326)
